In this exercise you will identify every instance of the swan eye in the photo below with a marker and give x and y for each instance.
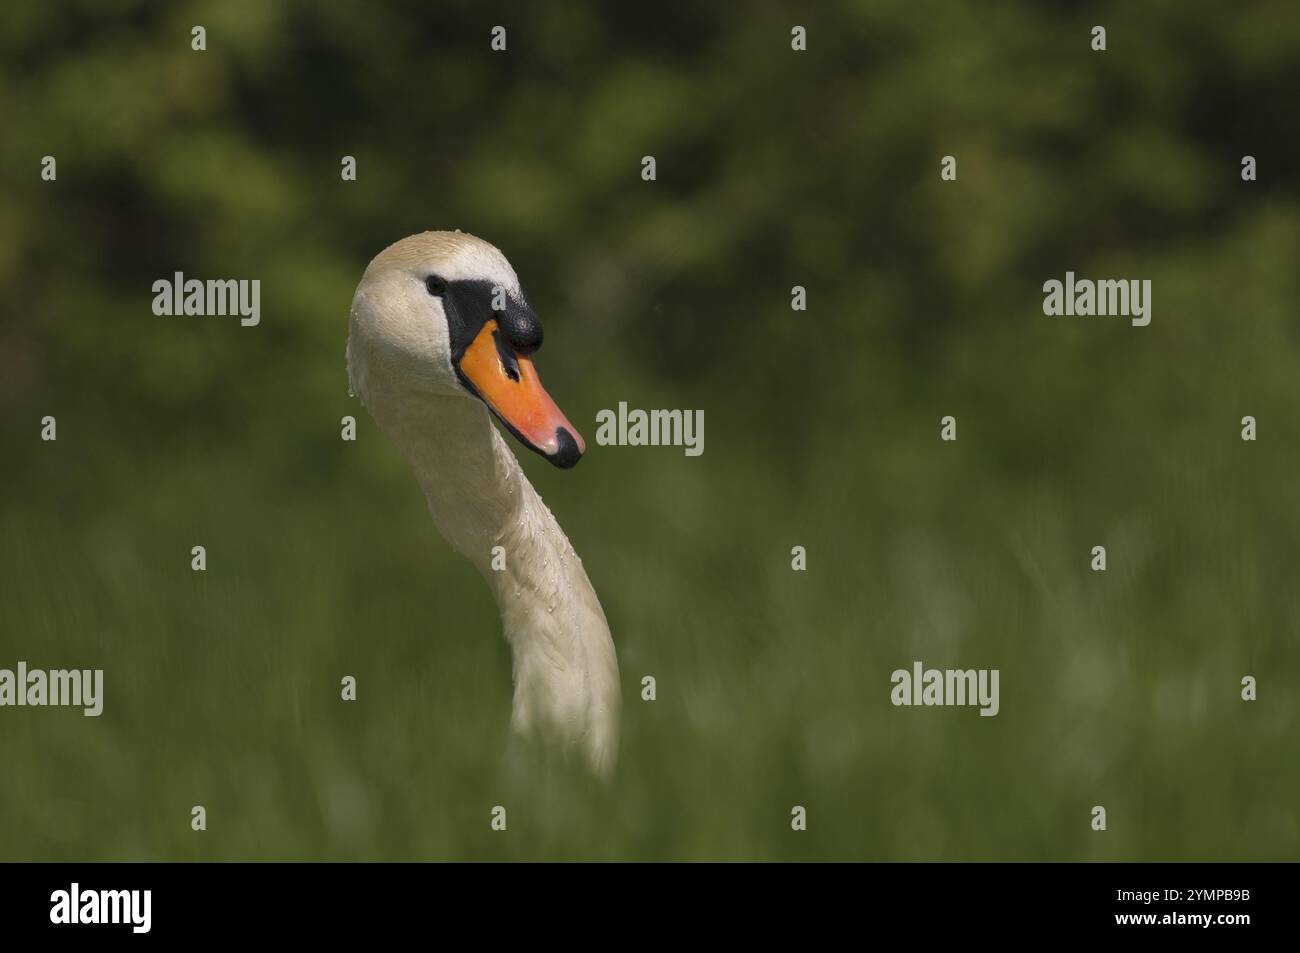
(436, 286)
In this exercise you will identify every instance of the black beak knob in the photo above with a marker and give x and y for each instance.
(522, 329)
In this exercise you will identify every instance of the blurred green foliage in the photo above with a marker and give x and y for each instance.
(774, 169)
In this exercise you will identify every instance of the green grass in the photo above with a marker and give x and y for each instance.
(222, 688)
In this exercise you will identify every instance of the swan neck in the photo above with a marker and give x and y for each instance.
(564, 665)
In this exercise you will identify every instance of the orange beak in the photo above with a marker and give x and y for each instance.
(507, 382)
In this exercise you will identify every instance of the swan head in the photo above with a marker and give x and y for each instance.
(443, 314)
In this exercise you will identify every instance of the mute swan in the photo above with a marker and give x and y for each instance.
(441, 333)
